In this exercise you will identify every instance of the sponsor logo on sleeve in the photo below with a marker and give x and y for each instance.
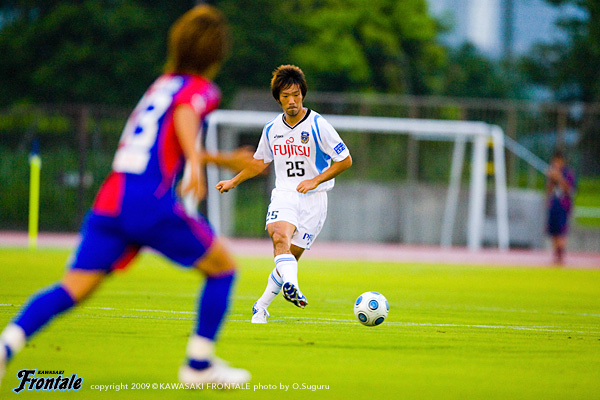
(339, 148)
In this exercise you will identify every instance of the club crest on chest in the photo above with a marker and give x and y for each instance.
(304, 137)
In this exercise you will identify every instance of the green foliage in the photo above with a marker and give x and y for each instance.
(569, 69)
(262, 36)
(109, 51)
(470, 74)
(381, 45)
(564, 66)
(80, 51)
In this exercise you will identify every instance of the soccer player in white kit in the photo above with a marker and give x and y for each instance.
(302, 144)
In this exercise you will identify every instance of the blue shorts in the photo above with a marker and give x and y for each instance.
(557, 220)
(109, 243)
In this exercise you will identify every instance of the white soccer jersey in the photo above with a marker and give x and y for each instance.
(300, 152)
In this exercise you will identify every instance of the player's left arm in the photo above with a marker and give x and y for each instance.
(330, 173)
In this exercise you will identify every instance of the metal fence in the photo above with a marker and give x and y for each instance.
(541, 127)
(78, 142)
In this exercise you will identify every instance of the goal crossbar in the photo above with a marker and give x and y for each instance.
(478, 133)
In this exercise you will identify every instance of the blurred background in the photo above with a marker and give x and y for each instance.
(71, 71)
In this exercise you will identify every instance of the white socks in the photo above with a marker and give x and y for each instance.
(14, 337)
(273, 288)
(287, 266)
(286, 270)
(200, 348)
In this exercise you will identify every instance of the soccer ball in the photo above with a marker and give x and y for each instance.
(371, 308)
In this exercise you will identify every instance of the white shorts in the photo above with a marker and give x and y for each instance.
(307, 212)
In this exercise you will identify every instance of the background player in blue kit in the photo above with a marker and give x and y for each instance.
(560, 190)
(137, 205)
(302, 146)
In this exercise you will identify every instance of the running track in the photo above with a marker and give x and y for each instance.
(362, 251)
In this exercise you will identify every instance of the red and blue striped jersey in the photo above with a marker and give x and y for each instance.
(149, 156)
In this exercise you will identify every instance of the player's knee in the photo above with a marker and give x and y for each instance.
(280, 237)
(217, 262)
(80, 285)
(217, 269)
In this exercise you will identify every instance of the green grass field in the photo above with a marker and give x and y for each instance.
(454, 332)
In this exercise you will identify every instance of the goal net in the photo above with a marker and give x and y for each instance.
(405, 184)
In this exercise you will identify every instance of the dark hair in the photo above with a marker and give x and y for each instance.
(197, 40)
(558, 155)
(285, 76)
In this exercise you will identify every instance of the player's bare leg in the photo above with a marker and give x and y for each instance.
(559, 244)
(281, 234)
(296, 251)
(202, 365)
(80, 283)
(42, 307)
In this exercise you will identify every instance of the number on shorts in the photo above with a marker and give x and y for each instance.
(271, 215)
(295, 168)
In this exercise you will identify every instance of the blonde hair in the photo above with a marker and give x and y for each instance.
(198, 40)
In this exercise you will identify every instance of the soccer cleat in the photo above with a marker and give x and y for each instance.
(218, 372)
(293, 295)
(259, 315)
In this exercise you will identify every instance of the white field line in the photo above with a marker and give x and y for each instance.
(495, 309)
(340, 301)
(136, 293)
(332, 321)
(192, 295)
(426, 324)
(461, 308)
(140, 310)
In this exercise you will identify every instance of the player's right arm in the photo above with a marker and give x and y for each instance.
(186, 127)
(262, 158)
(256, 167)
(235, 160)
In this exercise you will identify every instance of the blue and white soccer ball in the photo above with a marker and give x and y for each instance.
(371, 308)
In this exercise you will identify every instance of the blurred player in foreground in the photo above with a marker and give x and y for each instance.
(302, 144)
(560, 189)
(137, 205)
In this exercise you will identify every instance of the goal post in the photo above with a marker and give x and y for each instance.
(460, 132)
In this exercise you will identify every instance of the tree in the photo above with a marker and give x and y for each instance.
(108, 51)
(262, 35)
(80, 51)
(382, 45)
(470, 74)
(570, 69)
